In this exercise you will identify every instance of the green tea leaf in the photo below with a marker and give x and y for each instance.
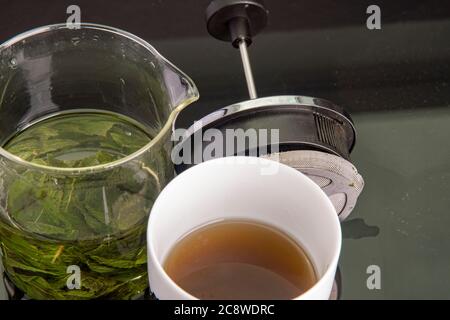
(94, 221)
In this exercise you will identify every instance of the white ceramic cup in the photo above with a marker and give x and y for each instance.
(216, 190)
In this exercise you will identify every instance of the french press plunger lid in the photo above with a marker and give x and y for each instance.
(315, 135)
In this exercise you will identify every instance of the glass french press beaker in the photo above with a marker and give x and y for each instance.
(85, 125)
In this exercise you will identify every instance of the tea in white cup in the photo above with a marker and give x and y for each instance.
(286, 206)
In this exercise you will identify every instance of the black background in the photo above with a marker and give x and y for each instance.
(318, 48)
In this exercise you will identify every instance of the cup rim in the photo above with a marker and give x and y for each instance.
(318, 190)
(113, 164)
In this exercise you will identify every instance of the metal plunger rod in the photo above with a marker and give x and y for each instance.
(237, 21)
(247, 69)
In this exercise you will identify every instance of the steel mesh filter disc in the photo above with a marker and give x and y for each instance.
(337, 177)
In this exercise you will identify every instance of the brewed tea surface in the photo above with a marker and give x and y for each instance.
(240, 260)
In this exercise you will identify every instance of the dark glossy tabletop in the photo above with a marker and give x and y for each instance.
(395, 83)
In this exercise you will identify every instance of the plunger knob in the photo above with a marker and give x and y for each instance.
(237, 21)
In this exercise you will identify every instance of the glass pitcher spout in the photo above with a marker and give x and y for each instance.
(181, 90)
(177, 90)
(85, 124)
(56, 69)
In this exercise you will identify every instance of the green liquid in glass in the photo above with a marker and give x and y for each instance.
(95, 222)
(76, 140)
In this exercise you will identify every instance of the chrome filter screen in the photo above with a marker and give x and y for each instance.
(337, 177)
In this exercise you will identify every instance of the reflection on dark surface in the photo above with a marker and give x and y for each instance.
(394, 82)
(336, 290)
(357, 229)
(405, 160)
(315, 48)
